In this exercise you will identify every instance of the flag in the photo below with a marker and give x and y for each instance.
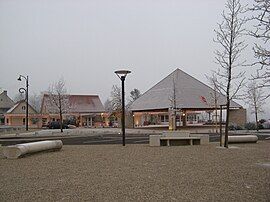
(203, 99)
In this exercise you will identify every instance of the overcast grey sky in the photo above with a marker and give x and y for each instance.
(84, 41)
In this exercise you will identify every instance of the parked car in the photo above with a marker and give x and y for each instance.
(56, 125)
(266, 124)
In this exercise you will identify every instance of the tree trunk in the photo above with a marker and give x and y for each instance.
(61, 122)
(61, 116)
(256, 119)
(227, 124)
(256, 110)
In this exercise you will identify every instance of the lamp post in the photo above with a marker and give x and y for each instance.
(25, 90)
(122, 76)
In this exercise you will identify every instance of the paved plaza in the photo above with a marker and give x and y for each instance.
(138, 173)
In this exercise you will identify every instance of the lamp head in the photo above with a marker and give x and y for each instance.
(19, 79)
(122, 73)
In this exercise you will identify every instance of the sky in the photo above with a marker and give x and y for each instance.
(85, 41)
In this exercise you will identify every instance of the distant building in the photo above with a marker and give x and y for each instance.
(16, 116)
(83, 110)
(181, 100)
(5, 104)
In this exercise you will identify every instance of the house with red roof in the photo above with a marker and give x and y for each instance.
(84, 110)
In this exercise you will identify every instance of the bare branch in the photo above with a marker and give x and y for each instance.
(260, 11)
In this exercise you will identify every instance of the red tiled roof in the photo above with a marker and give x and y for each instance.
(77, 104)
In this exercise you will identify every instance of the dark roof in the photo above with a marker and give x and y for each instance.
(190, 94)
(5, 101)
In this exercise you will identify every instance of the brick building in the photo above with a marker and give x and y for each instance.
(86, 110)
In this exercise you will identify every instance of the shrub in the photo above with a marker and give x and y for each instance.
(34, 120)
(235, 127)
(260, 126)
(250, 126)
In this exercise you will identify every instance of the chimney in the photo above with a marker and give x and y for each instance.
(5, 92)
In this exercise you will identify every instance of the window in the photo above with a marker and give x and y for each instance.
(23, 107)
(7, 121)
(23, 121)
(44, 120)
(164, 118)
(192, 117)
(178, 119)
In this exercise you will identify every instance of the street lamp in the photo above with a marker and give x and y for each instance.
(122, 75)
(25, 90)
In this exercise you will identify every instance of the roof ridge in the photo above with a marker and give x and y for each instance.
(157, 84)
(93, 95)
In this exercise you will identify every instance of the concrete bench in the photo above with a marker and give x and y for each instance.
(16, 151)
(175, 141)
(176, 138)
(243, 139)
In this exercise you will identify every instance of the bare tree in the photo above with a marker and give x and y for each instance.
(228, 35)
(35, 101)
(116, 100)
(255, 99)
(172, 99)
(59, 99)
(261, 17)
(18, 97)
(108, 106)
(214, 95)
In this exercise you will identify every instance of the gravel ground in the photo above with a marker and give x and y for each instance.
(140, 173)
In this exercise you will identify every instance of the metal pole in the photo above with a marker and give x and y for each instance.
(220, 126)
(26, 121)
(123, 109)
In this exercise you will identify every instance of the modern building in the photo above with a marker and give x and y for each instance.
(83, 110)
(16, 116)
(181, 100)
(5, 104)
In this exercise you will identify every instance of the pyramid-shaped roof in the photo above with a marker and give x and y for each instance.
(190, 93)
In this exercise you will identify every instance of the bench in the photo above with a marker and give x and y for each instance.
(175, 141)
(177, 138)
(243, 139)
(16, 151)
